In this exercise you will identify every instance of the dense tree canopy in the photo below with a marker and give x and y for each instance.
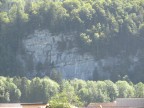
(71, 92)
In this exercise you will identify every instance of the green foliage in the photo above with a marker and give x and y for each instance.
(23, 90)
(139, 90)
(4, 17)
(55, 104)
(102, 95)
(112, 90)
(60, 100)
(67, 94)
(4, 95)
(56, 76)
(50, 88)
(9, 91)
(125, 90)
(42, 89)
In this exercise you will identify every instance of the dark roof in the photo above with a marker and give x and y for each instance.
(134, 102)
(9, 104)
(120, 103)
(37, 103)
(19, 104)
(105, 104)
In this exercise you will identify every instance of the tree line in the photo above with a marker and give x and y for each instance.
(76, 92)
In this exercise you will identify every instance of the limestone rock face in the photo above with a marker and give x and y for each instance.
(48, 50)
(44, 51)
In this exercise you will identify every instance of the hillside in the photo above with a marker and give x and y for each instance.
(86, 39)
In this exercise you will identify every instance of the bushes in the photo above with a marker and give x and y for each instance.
(55, 104)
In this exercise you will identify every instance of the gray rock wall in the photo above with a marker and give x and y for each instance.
(44, 50)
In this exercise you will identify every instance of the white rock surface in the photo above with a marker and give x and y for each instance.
(43, 47)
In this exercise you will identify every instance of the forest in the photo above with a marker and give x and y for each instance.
(75, 92)
(104, 28)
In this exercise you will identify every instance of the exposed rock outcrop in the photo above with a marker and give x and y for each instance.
(45, 51)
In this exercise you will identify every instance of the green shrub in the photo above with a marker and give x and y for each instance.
(55, 104)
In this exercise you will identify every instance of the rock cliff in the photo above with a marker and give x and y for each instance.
(45, 51)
